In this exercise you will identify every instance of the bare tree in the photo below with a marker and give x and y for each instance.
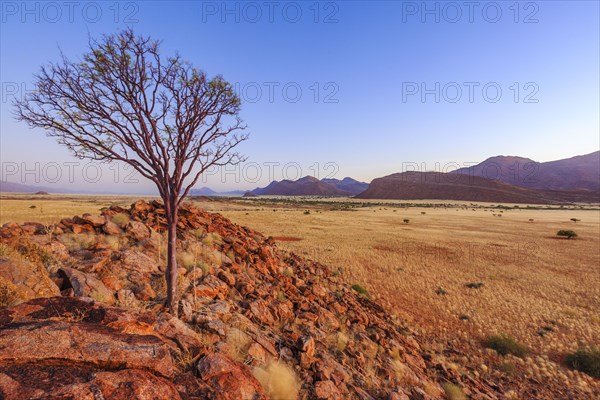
(124, 101)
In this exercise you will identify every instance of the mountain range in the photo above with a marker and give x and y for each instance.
(311, 186)
(499, 179)
(575, 173)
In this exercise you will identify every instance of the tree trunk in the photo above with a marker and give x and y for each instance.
(171, 271)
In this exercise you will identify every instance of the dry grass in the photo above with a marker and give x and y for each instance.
(278, 380)
(531, 279)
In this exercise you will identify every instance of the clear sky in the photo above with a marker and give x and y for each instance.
(344, 88)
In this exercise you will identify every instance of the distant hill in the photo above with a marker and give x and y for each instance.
(203, 191)
(206, 191)
(440, 186)
(575, 173)
(307, 186)
(347, 184)
(21, 188)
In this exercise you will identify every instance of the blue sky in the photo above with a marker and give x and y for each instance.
(361, 68)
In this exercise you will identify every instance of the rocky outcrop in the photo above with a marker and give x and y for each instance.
(21, 280)
(242, 299)
(76, 348)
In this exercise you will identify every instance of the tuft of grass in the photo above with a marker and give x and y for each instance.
(507, 367)
(120, 219)
(4, 249)
(453, 392)
(504, 345)
(585, 360)
(279, 381)
(360, 290)
(306, 212)
(8, 294)
(186, 360)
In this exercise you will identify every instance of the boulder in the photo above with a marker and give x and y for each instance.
(137, 230)
(211, 287)
(33, 228)
(21, 280)
(95, 220)
(82, 228)
(229, 380)
(110, 228)
(327, 390)
(78, 331)
(82, 383)
(86, 285)
(261, 312)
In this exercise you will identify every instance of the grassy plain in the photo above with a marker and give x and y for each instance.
(426, 262)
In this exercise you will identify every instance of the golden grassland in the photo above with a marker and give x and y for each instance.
(418, 260)
(538, 288)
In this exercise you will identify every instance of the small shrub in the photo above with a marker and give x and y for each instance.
(306, 212)
(474, 285)
(566, 233)
(360, 290)
(453, 392)
(530, 219)
(441, 291)
(507, 367)
(585, 360)
(4, 249)
(504, 344)
(423, 213)
(278, 380)
(406, 220)
(575, 220)
(120, 219)
(32, 207)
(8, 294)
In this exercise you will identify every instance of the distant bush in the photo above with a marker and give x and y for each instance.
(406, 220)
(566, 233)
(575, 220)
(360, 290)
(474, 285)
(423, 213)
(32, 206)
(585, 360)
(504, 345)
(306, 212)
(530, 219)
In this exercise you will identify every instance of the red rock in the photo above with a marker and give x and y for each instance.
(24, 280)
(94, 220)
(227, 277)
(33, 228)
(57, 249)
(138, 230)
(327, 390)
(212, 287)
(229, 380)
(261, 312)
(79, 228)
(10, 230)
(86, 285)
(69, 330)
(110, 228)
